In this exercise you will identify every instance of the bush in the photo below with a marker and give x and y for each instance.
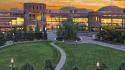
(114, 35)
(48, 65)
(38, 36)
(27, 66)
(75, 68)
(122, 66)
(2, 39)
(30, 36)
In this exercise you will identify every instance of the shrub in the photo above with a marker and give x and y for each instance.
(27, 66)
(122, 66)
(113, 35)
(38, 36)
(75, 68)
(30, 36)
(2, 39)
(48, 65)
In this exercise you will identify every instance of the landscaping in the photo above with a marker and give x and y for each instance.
(85, 56)
(112, 35)
(34, 53)
(67, 30)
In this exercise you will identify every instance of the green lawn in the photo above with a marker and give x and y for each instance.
(87, 55)
(34, 53)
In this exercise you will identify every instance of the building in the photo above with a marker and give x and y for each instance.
(8, 20)
(34, 15)
(54, 17)
(37, 15)
(91, 20)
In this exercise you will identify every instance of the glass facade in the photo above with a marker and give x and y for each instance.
(113, 22)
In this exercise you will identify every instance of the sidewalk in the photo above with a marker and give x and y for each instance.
(62, 60)
(85, 39)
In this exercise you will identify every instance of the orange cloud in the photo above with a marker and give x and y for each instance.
(56, 4)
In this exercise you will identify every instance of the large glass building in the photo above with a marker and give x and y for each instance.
(37, 14)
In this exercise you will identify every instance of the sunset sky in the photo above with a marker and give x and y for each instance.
(55, 4)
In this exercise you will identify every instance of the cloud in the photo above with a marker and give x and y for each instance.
(60, 3)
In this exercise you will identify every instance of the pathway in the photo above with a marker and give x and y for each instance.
(85, 39)
(51, 35)
(62, 60)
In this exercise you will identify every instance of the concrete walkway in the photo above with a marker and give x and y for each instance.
(51, 35)
(62, 60)
(85, 39)
(8, 43)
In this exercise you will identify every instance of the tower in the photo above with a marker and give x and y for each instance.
(34, 15)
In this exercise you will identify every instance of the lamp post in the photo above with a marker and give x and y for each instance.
(63, 40)
(98, 66)
(76, 42)
(12, 65)
(13, 37)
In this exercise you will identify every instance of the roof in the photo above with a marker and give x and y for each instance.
(113, 9)
(68, 8)
(82, 10)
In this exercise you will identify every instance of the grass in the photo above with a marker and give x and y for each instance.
(34, 53)
(85, 56)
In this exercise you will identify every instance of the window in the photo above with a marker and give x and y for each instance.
(37, 7)
(33, 7)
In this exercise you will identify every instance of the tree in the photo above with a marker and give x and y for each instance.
(48, 65)
(112, 35)
(44, 33)
(75, 68)
(38, 33)
(2, 39)
(103, 66)
(122, 66)
(67, 30)
(27, 66)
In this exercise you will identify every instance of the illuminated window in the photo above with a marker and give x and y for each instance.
(18, 21)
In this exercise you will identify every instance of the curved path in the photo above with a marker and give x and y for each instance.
(62, 52)
(62, 58)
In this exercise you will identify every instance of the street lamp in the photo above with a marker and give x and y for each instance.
(55, 39)
(12, 65)
(76, 42)
(63, 40)
(13, 37)
(98, 65)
